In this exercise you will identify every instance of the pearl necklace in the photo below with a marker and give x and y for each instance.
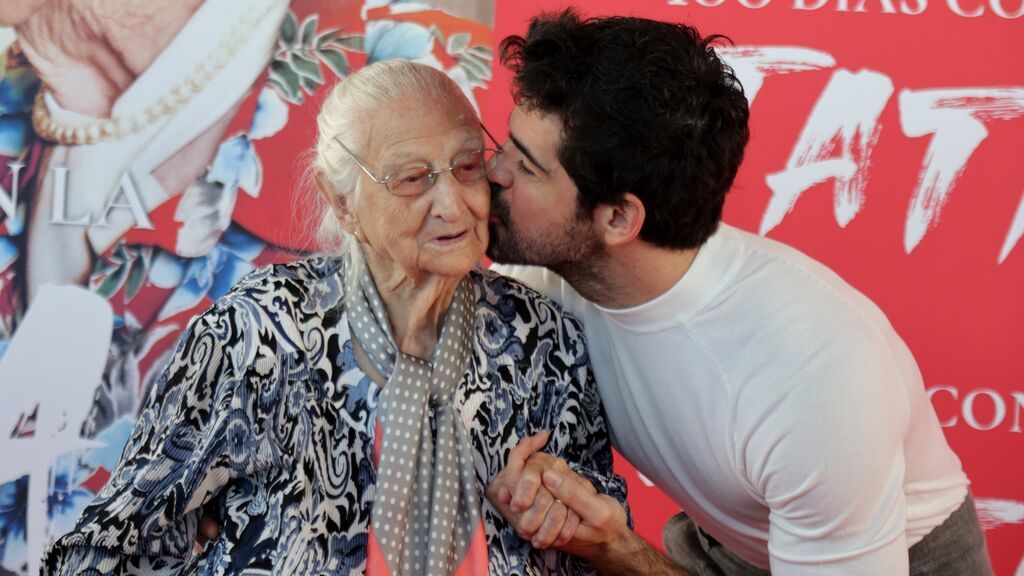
(118, 127)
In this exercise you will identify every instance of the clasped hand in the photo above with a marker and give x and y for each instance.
(551, 505)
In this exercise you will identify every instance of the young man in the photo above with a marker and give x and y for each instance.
(772, 401)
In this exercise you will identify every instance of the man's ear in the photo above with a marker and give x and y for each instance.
(620, 223)
(340, 205)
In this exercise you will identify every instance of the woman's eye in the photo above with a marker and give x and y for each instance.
(470, 166)
(414, 178)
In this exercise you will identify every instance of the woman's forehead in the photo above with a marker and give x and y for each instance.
(425, 135)
(403, 117)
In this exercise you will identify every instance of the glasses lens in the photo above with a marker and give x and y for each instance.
(490, 159)
(470, 167)
(410, 182)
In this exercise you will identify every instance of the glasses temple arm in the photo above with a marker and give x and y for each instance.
(489, 135)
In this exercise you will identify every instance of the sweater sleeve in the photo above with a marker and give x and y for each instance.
(829, 463)
(196, 432)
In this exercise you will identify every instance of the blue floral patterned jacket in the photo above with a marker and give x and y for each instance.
(263, 420)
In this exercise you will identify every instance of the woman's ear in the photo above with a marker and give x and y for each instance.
(620, 223)
(340, 204)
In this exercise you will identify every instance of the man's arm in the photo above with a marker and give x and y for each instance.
(550, 504)
(829, 463)
(603, 537)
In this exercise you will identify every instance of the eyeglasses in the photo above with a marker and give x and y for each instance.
(469, 167)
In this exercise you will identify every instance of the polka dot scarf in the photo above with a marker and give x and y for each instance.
(426, 505)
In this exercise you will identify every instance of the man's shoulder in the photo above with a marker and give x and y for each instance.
(771, 275)
(775, 313)
(536, 277)
(546, 283)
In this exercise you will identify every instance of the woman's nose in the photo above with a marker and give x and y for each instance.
(449, 202)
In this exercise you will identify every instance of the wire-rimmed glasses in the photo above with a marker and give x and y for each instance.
(468, 167)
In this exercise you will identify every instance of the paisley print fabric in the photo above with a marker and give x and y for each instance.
(263, 420)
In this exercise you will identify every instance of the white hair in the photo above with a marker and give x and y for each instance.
(345, 114)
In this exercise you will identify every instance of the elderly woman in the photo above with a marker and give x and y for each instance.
(343, 415)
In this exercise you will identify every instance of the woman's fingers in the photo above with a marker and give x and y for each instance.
(554, 523)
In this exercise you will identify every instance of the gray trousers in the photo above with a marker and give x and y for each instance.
(954, 548)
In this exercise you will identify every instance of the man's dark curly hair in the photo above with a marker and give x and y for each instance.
(646, 107)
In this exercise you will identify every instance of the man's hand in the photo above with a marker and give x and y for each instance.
(551, 505)
(518, 495)
(603, 537)
(603, 523)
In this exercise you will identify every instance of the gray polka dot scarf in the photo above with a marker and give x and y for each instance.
(426, 505)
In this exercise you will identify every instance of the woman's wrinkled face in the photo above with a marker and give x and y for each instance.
(442, 231)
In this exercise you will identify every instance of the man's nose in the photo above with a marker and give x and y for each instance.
(499, 175)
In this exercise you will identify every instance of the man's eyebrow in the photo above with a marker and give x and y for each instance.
(526, 152)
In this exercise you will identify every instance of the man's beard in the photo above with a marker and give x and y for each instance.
(568, 249)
